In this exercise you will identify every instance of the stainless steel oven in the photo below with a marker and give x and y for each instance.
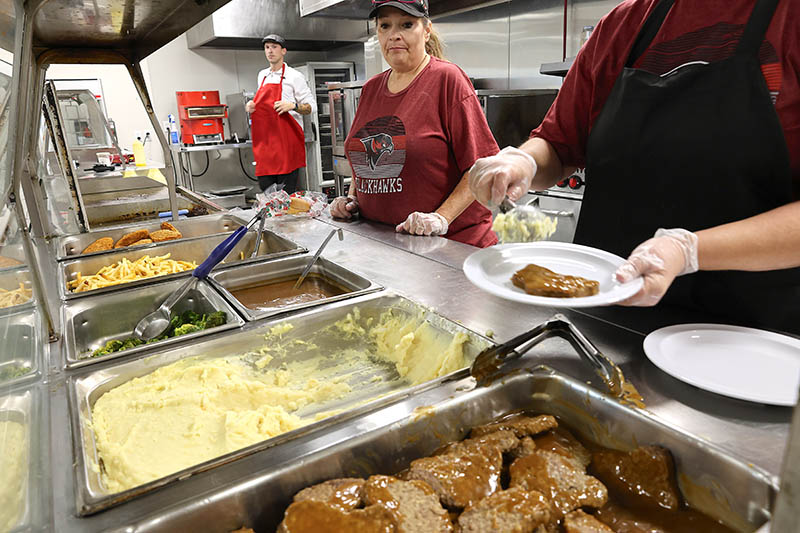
(343, 100)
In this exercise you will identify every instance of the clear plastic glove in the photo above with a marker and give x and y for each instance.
(669, 254)
(344, 207)
(424, 224)
(509, 173)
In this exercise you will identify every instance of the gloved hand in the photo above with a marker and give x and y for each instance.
(509, 173)
(344, 207)
(669, 254)
(250, 106)
(424, 224)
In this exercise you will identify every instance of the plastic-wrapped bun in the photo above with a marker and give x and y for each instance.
(511, 227)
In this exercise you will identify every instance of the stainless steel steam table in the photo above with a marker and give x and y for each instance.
(428, 271)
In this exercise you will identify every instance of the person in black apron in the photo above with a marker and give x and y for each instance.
(676, 131)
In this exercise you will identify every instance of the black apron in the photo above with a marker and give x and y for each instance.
(696, 148)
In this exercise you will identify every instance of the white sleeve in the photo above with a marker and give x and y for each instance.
(303, 94)
(260, 78)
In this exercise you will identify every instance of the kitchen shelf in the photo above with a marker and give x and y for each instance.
(558, 68)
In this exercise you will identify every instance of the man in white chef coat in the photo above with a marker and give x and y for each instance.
(277, 127)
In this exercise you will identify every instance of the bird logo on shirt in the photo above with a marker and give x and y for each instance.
(377, 145)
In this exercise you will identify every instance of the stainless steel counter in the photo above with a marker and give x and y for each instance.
(428, 271)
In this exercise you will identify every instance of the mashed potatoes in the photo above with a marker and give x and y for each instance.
(510, 228)
(13, 472)
(197, 409)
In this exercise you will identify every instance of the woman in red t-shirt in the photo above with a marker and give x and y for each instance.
(417, 131)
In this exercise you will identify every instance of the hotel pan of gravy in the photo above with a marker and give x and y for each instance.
(286, 269)
(71, 246)
(90, 322)
(373, 384)
(197, 250)
(22, 347)
(10, 280)
(17, 415)
(385, 441)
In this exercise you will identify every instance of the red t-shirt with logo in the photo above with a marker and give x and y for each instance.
(409, 150)
(707, 30)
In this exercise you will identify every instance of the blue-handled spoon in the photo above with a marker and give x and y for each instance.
(157, 322)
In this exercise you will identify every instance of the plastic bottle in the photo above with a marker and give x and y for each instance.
(586, 33)
(138, 153)
(173, 129)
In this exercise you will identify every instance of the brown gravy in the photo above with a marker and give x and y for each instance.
(281, 293)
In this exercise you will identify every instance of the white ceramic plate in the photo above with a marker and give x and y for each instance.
(744, 363)
(491, 269)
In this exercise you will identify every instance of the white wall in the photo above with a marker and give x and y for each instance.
(174, 67)
(122, 101)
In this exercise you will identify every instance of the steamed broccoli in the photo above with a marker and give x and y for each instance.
(13, 371)
(174, 322)
(179, 324)
(217, 318)
(190, 317)
(186, 329)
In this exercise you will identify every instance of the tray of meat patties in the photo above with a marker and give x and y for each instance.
(104, 241)
(536, 451)
(154, 421)
(130, 267)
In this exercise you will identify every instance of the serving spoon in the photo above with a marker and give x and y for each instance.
(157, 322)
(316, 256)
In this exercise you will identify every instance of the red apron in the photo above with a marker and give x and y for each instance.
(278, 141)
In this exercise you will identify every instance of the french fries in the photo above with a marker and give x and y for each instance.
(15, 296)
(126, 271)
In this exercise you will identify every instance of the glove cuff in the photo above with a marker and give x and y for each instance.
(445, 224)
(687, 241)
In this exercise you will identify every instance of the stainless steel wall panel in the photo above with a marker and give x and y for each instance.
(477, 41)
(535, 37)
(250, 20)
(582, 13)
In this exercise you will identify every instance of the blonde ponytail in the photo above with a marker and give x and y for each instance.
(435, 45)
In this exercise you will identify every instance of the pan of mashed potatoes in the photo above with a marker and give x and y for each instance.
(153, 421)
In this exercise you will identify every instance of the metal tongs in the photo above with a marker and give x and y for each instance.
(488, 363)
(157, 322)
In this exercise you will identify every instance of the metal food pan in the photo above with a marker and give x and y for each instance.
(121, 207)
(373, 386)
(19, 408)
(10, 280)
(14, 251)
(197, 250)
(22, 347)
(232, 279)
(385, 441)
(70, 246)
(90, 322)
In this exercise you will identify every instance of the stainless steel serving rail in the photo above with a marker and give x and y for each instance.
(755, 433)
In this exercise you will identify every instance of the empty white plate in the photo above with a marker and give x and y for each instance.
(491, 269)
(744, 363)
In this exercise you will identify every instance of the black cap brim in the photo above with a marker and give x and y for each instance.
(270, 39)
(402, 6)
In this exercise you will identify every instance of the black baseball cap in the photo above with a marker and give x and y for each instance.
(273, 38)
(415, 8)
